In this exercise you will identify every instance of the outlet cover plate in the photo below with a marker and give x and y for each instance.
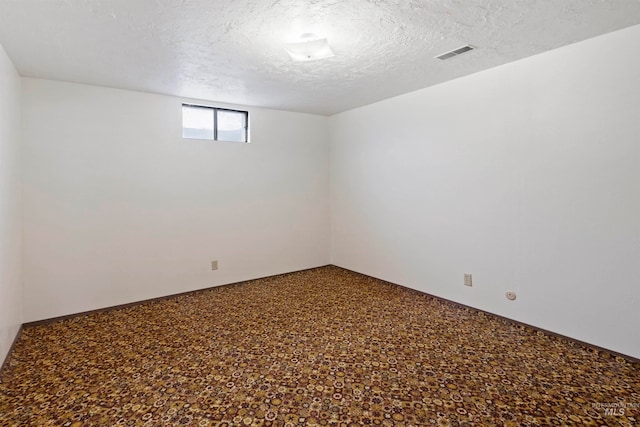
(468, 280)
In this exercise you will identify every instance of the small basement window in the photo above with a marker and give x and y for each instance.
(217, 124)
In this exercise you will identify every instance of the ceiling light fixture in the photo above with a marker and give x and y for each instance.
(310, 48)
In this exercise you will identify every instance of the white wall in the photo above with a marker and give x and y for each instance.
(119, 208)
(10, 215)
(526, 175)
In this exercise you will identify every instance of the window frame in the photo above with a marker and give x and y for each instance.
(215, 122)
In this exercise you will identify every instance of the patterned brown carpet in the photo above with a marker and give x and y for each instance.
(319, 347)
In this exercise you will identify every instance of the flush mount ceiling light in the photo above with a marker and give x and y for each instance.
(310, 48)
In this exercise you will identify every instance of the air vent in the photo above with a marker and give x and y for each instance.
(455, 52)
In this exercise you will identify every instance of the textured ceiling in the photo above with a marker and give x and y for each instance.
(232, 50)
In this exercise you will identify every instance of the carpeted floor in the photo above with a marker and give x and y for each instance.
(319, 347)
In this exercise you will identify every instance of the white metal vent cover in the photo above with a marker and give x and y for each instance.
(455, 52)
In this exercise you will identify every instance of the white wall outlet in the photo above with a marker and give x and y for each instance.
(467, 280)
(214, 264)
(510, 295)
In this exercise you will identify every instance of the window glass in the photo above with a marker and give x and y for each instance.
(197, 122)
(232, 126)
(219, 124)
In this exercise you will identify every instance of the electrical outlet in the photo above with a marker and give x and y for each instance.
(467, 280)
(214, 264)
(510, 295)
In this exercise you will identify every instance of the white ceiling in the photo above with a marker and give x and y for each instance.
(232, 51)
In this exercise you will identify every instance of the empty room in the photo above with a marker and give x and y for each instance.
(319, 213)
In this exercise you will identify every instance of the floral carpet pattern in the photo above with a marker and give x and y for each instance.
(324, 347)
